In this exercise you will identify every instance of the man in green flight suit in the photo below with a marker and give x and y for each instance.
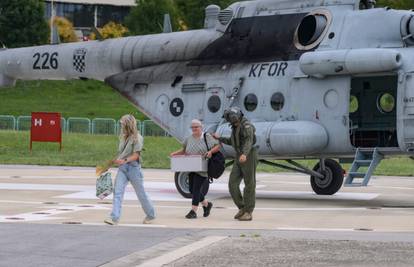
(242, 140)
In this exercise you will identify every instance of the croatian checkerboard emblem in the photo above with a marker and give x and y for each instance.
(79, 62)
(177, 107)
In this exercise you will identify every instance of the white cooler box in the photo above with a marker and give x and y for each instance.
(189, 163)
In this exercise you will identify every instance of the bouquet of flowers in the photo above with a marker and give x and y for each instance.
(104, 167)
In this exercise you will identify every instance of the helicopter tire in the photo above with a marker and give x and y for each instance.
(332, 182)
(182, 184)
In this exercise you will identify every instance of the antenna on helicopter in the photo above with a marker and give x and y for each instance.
(3, 46)
(55, 38)
(167, 28)
(97, 33)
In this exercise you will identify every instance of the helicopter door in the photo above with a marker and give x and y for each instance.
(213, 107)
(372, 111)
(406, 110)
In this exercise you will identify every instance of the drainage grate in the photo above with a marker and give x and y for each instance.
(50, 203)
(86, 206)
(64, 209)
(71, 223)
(41, 213)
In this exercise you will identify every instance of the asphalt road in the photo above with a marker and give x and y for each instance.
(272, 251)
(80, 245)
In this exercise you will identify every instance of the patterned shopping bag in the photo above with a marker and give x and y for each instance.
(104, 185)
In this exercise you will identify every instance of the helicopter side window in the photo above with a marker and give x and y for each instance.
(250, 102)
(277, 101)
(214, 103)
(386, 103)
(353, 104)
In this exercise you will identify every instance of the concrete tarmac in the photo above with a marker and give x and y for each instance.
(49, 216)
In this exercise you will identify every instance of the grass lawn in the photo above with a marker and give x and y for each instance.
(75, 98)
(79, 150)
(90, 150)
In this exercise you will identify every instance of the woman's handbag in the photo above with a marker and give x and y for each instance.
(104, 186)
(216, 164)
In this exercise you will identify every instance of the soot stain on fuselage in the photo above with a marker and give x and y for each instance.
(255, 39)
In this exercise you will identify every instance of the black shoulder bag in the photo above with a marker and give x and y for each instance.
(216, 164)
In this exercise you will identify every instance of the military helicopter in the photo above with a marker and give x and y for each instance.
(322, 80)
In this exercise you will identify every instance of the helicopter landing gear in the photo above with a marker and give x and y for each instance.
(332, 180)
(326, 177)
(182, 183)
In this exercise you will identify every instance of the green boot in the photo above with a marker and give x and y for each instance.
(247, 216)
(239, 214)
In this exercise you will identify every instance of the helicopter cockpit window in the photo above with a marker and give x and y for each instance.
(214, 104)
(386, 103)
(366, 4)
(250, 102)
(311, 30)
(353, 104)
(277, 101)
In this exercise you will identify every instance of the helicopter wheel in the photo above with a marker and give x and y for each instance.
(182, 184)
(332, 181)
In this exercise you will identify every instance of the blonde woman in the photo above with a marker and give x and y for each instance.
(128, 160)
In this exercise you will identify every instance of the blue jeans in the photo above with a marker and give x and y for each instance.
(130, 172)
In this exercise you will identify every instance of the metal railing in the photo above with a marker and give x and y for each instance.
(7, 122)
(78, 125)
(97, 126)
(23, 123)
(149, 128)
(63, 124)
(104, 126)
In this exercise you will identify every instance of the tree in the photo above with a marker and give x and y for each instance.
(112, 30)
(65, 29)
(397, 4)
(148, 16)
(22, 23)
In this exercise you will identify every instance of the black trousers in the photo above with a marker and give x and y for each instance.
(198, 187)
